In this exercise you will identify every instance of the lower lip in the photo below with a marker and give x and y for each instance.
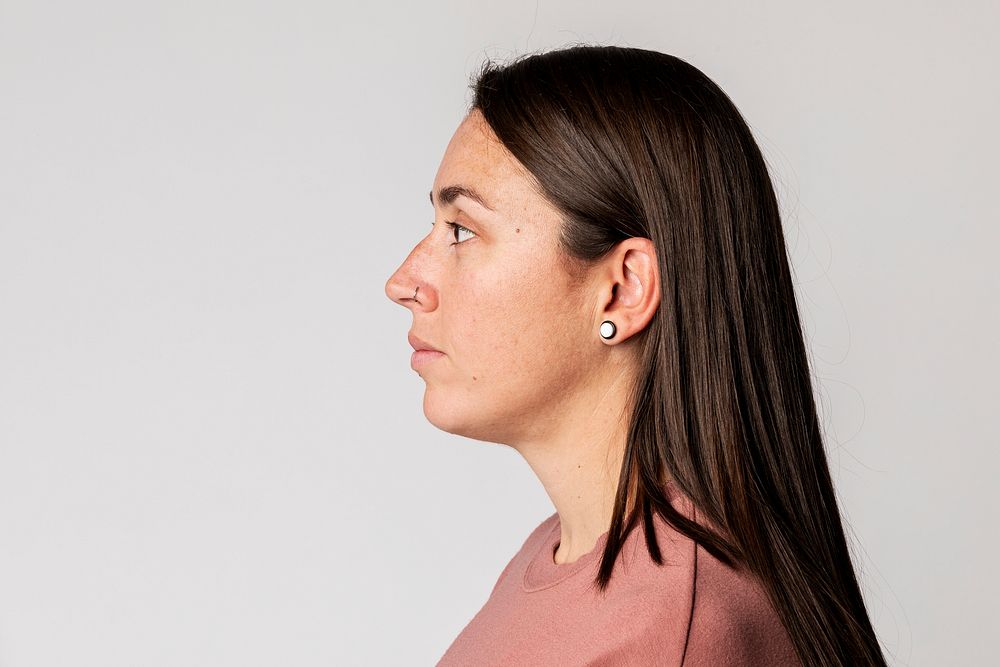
(421, 357)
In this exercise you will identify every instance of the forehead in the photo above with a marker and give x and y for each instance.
(475, 158)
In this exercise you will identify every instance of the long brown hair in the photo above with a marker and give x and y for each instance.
(628, 142)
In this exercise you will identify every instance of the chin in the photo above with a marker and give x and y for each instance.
(441, 412)
(447, 416)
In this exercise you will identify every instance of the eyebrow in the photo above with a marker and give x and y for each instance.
(450, 193)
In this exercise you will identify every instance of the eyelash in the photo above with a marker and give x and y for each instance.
(455, 227)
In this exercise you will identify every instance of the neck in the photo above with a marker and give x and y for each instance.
(579, 463)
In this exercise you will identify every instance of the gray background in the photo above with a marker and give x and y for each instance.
(212, 447)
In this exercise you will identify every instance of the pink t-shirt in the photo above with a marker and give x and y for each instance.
(692, 611)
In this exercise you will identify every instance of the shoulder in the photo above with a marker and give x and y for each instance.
(732, 620)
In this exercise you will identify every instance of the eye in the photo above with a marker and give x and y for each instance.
(458, 228)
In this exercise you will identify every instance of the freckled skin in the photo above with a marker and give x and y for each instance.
(525, 364)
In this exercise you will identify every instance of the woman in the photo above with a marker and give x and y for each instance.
(605, 289)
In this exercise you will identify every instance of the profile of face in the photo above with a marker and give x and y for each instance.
(518, 333)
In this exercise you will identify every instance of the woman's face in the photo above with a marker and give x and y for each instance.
(516, 333)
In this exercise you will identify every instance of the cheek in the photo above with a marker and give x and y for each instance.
(531, 339)
(516, 327)
(490, 325)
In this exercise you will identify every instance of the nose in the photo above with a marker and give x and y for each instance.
(411, 278)
(395, 290)
(407, 290)
(396, 294)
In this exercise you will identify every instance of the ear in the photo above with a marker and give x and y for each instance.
(630, 292)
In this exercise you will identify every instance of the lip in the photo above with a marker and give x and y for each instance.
(421, 345)
(422, 357)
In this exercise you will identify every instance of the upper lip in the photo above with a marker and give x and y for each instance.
(419, 344)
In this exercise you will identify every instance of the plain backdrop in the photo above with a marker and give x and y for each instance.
(212, 446)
